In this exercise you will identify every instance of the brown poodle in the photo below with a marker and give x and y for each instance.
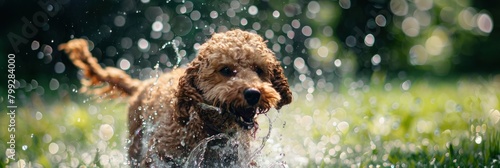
(233, 78)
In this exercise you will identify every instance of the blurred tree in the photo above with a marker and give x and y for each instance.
(315, 39)
(437, 37)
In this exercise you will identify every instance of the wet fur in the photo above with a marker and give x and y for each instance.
(167, 119)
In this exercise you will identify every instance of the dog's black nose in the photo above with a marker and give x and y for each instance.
(252, 96)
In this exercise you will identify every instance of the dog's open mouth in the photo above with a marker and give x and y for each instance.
(244, 116)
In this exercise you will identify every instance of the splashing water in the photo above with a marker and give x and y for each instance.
(264, 140)
(157, 72)
(197, 156)
(226, 145)
(175, 45)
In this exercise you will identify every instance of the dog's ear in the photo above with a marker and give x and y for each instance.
(280, 84)
(188, 95)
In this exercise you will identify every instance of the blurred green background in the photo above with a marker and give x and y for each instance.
(370, 78)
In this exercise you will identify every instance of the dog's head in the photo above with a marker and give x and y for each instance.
(233, 78)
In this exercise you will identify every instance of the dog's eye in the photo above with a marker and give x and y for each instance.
(226, 71)
(259, 71)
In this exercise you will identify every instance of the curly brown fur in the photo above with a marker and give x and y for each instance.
(234, 78)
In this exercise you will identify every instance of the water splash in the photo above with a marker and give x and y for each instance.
(175, 45)
(264, 139)
(157, 72)
(197, 155)
(230, 145)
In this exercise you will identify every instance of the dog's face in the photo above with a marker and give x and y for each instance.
(239, 83)
(239, 75)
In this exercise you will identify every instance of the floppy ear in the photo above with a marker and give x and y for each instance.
(188, 95)
(280, 84)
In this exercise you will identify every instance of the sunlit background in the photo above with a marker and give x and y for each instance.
(375, 83)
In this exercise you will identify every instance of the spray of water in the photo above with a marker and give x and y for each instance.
(175, 45)
(197, 156)
(157, 72)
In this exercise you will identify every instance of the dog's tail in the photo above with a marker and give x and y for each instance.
(110, 81)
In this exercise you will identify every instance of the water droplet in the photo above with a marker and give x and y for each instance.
(53, 148)
(106, 132)
(47, 138)
(410, 26)
(195, 15)
(346, 4)
(406, 85)
(350, 41)
(253, 10)
(157, 26)
(418, 55)
(494, 116)
(307, 31)
(47, 50)
(343, 127)
(423, 4)
(59, 67)
(337, 62)
(35, 45)
(126, 43)
(376, 59)
(124, 64)
(399, 7)
(54, 84)
(313, 7)
(143, 44)
(182, 25)
(276, 14)
(369, 40)
(478, 139)
(380, 20)
(485, 23)
(38, 115)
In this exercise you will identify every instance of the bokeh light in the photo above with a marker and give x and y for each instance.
(485, 23)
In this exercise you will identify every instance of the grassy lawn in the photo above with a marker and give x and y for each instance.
(403, 123)
(406, 123)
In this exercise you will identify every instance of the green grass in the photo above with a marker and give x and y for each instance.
(432, 123)
(68, 133)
